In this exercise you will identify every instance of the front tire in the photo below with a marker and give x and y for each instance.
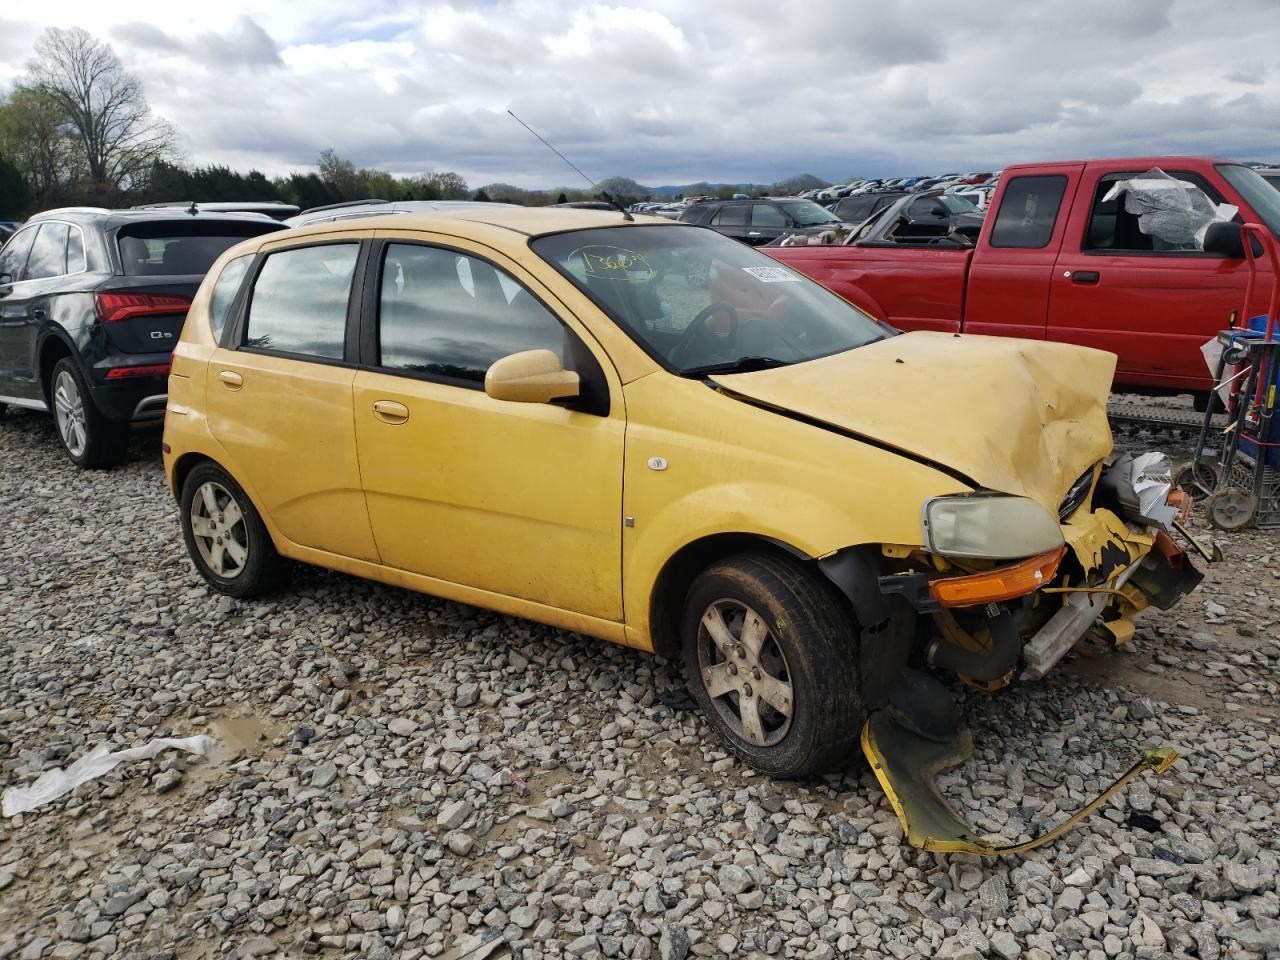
(771, 657)
(225, 536)
(91, 440)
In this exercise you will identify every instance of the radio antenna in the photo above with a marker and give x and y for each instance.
(608, 199)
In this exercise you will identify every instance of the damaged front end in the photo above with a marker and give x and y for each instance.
(1009, 590)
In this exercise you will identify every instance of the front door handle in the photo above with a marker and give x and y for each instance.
(1085, 276)
(230, 379)
(388, 411)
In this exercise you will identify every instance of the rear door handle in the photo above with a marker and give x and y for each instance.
(230, 379)
(1085, 276)
(388, 411)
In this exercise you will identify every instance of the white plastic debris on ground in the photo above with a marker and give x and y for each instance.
(1172, 211)
(100, 760)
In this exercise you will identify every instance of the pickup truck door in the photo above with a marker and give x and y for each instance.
(1119, 289)
(1008, 290)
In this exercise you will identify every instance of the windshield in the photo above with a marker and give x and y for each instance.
(694, 299)
(806, 213)
(958, 204)
(1262, 196)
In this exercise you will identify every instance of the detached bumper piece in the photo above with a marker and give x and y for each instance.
(907, 761)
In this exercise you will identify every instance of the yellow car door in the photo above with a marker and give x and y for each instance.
(518, 499)
(279, 400)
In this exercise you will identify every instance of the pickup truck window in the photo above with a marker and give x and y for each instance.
(1257, 192)
(1113, 229)
(1029, 212)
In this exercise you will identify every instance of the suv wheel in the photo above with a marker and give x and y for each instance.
(90, 439)
(771, 656)
(225, 536)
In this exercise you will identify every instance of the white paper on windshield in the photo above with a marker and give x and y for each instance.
(772, 274)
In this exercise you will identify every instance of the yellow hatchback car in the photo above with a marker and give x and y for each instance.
(652, 434)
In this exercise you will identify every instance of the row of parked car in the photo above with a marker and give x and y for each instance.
(552, 414)
(92, 302)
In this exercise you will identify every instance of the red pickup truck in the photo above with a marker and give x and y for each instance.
(1059, 257)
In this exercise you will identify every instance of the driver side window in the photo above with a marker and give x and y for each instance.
(13, 259)
(446, 314)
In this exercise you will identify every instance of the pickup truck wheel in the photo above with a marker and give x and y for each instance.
(91, 440)
(771, 658)
(225, 536)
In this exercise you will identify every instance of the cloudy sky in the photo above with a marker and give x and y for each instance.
(673, 92)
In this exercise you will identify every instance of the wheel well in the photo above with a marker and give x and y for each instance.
(51, 352)
(672, 585)
(186, 463)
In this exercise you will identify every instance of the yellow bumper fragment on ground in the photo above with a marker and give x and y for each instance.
(906, 765)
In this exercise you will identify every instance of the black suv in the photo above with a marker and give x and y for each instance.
(761, 220)
(91, 305)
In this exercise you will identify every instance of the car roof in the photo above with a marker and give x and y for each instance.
(1128, 163)
(509, 227)
(111, 219)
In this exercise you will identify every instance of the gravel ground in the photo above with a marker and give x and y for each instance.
(397, 775)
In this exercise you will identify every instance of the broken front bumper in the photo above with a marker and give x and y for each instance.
(906, 764)
(1109, 571)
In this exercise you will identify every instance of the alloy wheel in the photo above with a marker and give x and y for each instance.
(745, 672)
(68, 411)
(219, 531)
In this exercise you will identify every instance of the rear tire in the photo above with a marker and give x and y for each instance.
(763, 635)
(226, 538)
(91, 440)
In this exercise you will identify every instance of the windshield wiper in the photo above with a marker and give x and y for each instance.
(741, 365)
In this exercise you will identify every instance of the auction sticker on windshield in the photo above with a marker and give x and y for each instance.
(772, 274)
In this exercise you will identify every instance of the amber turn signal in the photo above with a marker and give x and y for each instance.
(1002, 583)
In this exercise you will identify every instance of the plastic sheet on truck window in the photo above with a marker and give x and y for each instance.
(1173, 212)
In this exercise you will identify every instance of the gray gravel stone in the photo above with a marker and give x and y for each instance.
(411, 776)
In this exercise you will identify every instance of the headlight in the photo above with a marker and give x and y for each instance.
(989, 526)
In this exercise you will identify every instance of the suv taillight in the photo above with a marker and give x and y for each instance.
(114, 307)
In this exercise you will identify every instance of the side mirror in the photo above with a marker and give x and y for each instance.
(531, 376)
(1224, 237)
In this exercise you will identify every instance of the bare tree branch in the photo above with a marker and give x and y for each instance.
(118, 136)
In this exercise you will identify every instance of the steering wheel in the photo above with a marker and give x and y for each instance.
(698, 328)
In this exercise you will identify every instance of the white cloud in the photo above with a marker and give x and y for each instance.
(670, 92)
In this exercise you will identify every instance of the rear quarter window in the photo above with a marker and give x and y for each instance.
(224, 294)
(1029, 211)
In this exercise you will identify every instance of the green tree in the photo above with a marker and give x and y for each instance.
(15, 194)
(481, 196)
(449, 185)
(35, 136)
(562, 198)
(340, 176)
(117, 136)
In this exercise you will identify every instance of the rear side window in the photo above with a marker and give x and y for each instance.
(224, 294)
(166, 248)
(1029, 211)
(734, 216)
(763, 215)
(449, 315)
(49, 253)
(299, 302)
(14, 256)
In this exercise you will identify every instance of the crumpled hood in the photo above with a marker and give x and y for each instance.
(1024, 417)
